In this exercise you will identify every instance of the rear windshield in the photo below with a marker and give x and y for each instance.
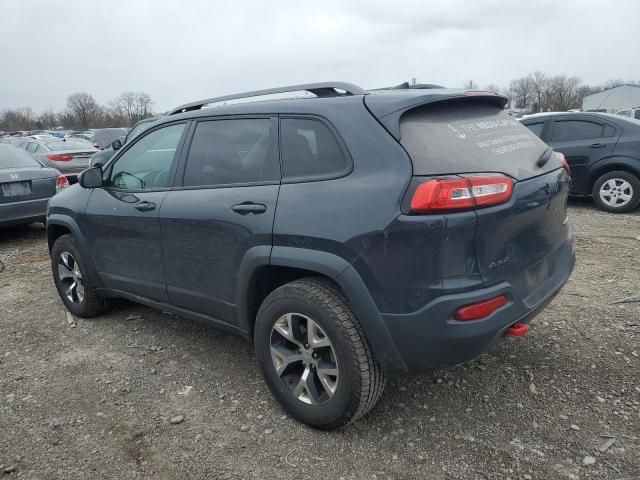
(470, 137)
(69, 145)
(12, 157)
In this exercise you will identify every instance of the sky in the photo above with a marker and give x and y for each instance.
(183, 50)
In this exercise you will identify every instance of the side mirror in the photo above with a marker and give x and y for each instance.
(117, 144)
(91, 178)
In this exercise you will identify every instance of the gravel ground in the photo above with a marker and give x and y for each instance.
(137, 393)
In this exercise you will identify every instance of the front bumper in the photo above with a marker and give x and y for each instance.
(430, 338)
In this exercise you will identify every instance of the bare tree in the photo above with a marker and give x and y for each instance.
(135, 106)
(83, 107)
(522, 91)
(564, 93)
(539, 84)
(470, 85)
(21, 118)
(49, 119)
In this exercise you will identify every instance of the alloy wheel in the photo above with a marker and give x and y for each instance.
(616, 192)
(70, 278)
(304, 358)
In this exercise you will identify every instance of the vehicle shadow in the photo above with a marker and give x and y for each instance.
(33, 231)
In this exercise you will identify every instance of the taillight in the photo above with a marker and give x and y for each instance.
(460, 193)
(60, 157)
(61, 182)
(564, 163)
(476, 311)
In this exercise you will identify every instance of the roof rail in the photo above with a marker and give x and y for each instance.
(320, 89)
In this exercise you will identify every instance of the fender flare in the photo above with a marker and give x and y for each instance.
(343, 274)
(81, 242)
(627, 163)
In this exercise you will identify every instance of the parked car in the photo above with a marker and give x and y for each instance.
(68, 155)
(103, 137)
(25, 187)
(15, 141)
(630, 112)
(101, 157)
(353, 236)
(603, 152)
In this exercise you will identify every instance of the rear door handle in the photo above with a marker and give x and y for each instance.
(248, 208)
(145, 206)
(597, 145)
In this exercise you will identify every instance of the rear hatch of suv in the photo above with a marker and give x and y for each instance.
(469, 148)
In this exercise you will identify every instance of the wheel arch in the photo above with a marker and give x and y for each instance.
(611, 164)
(261, 273)
(59, 225)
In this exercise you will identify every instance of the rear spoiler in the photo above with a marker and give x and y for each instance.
(388, 106)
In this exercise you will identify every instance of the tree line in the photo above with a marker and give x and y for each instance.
(82, 112)
(541, 92)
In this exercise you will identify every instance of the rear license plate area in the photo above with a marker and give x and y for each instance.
(16, 189)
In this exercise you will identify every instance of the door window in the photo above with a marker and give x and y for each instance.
(31, 148)
(225, 152)
(147, 164)
(568, 130)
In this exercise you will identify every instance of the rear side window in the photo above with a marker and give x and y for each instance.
(469, 136)
(637, 114)
(225, 152)
(536, 128)
(568, 130)
(309, 150)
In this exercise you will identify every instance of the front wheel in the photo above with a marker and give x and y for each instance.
(617, 192)
(73, 281)
(314, 355)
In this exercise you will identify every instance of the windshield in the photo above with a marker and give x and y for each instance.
(138, 129)
(12, 157)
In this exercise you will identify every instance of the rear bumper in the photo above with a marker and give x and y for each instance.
(430, 338)
(27, 211)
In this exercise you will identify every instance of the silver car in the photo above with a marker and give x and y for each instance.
(69, 155)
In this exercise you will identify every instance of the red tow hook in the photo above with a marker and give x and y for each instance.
(517, 330)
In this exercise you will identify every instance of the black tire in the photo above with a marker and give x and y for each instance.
(631, 179)
(91, 303)
(361, 379)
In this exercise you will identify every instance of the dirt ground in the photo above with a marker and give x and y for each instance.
(96, 401)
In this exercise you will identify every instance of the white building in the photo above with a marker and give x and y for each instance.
(614, 99)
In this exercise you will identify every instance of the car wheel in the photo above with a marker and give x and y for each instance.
(73, 281)
(617, 192)
(315, 356)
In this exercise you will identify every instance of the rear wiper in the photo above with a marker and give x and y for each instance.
(542, 161)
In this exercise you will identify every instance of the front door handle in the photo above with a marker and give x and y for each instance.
(248, 208)
(597, 145)
(145, 206)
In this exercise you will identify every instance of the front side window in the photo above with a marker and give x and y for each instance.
(147, 164)
(568, 130)
(309, 149)
(225, 152)
(625, 113)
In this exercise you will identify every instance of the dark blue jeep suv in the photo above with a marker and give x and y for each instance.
(350, 234)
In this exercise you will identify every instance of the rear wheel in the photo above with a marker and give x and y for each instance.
(314, 355)
(617, 192)
(73, 281)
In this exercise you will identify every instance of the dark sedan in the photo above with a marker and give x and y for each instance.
(603, 152)
(25, 187)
